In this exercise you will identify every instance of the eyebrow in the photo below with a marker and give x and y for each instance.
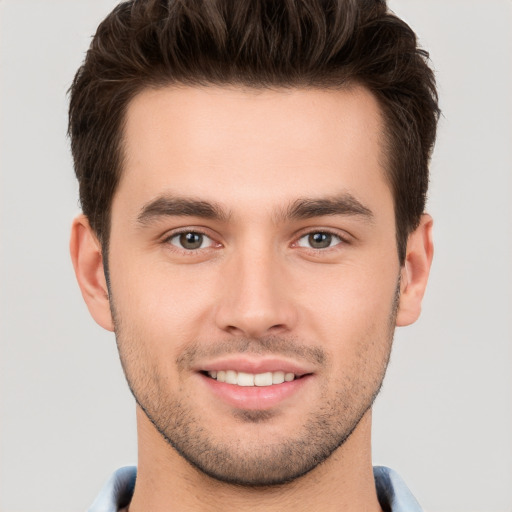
(304, 208)
(344, 204)
(172, 206)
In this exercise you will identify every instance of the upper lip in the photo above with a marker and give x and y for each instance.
(255, 365)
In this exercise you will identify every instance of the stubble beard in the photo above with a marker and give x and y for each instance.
(260, 462)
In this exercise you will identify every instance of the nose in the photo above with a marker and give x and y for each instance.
(255, 299)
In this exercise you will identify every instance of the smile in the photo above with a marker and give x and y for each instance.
(255, 382)
(252, 379)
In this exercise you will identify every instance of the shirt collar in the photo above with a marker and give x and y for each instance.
(393, 494)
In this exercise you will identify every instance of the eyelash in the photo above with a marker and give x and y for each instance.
(342, 239)
(167, 240)
(196, 231)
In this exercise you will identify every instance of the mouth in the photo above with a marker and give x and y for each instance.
(245, 379)
(256, 384)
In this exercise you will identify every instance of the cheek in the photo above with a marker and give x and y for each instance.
(350, 308)
(164, 304)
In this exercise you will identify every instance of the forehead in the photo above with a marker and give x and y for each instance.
(237, 142)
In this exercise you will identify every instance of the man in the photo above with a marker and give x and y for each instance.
(253, 179)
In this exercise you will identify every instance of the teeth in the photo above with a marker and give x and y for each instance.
(245, 379)
(263, 379)
(251, 379)
(277, 377)
(231, 377)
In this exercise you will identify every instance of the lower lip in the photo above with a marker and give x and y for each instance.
(255, 398)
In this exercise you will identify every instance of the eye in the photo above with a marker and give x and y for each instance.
(319, 240)
(190, 240)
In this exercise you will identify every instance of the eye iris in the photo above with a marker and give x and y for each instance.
(320, 240)
(191, 240)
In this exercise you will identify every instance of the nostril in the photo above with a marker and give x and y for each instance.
(254, 317)
(255, 331)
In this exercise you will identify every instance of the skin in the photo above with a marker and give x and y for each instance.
(255, 291)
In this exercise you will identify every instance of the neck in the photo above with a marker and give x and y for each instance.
(166, 481)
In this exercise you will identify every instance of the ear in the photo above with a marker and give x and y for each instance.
(87, 260)
(415, 271)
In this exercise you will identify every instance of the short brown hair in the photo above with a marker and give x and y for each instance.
(260, 44)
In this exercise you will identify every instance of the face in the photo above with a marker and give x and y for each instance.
(254, 273)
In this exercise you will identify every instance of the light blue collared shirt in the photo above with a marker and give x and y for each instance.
(393, 494)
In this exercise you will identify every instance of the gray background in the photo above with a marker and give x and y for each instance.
(444, 418)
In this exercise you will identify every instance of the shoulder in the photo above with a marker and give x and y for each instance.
(393, 494)
(117, 492)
